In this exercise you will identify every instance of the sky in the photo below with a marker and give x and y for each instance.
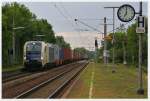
(61, 16)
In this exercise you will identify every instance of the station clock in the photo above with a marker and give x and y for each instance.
(126, 13)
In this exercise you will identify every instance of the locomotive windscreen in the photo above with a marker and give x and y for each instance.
(33, 46)
(33, 51)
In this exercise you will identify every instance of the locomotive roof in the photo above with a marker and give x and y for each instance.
(34, 41)
(48, 44)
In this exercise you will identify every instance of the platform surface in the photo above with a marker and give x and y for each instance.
(98, 81)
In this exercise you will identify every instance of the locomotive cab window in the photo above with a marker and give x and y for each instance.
(33, 47)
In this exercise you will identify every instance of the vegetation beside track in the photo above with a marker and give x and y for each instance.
(12, 68)
(121, 84)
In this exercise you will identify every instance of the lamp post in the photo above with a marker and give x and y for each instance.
(13, 41)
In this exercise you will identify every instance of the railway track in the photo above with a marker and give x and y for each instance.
(15, 76)
(52, 87)
(19, 90)
(10, 76)
(61, 89)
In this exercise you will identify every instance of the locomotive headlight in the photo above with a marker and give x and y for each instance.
(24, 58)
(41, 58)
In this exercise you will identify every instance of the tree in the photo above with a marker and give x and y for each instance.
(61, 42)
(17, 15)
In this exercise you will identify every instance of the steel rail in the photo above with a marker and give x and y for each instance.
(58, 90)
(24, 94)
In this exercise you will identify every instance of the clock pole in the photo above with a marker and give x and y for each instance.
(140, 80)
(140, 29)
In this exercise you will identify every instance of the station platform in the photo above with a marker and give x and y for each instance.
(98, 81)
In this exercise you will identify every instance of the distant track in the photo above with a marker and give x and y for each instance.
(15, 76)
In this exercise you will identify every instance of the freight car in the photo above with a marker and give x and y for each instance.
(67, 57)
(39, 55)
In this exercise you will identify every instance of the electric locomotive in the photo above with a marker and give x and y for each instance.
(34, 54)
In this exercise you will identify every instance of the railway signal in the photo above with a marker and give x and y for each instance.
(108, 37)
(96, 44)
(96, 49)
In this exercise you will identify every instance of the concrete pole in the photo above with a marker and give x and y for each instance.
(140, 90)
(96, 54)
(124, 53)
(123, 43)
(113, 36)
(113, 41)
(105, 41)
(13, 39)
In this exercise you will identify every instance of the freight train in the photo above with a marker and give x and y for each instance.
(40, 55)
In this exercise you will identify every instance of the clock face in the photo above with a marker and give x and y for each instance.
(126, 13)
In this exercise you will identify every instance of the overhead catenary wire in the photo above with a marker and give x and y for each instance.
(59, 10)
(65, 10)
(67, 18)
(119, 26)
(95, 29)
(67, 13)
(80, 36)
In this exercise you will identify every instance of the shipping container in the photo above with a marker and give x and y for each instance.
(75, 55)
(61, 56)
(67, 55)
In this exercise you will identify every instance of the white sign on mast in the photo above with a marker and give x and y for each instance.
(141, 24)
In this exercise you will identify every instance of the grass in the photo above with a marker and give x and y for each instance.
(11, 68)
(121, 84)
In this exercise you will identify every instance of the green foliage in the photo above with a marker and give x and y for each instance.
(81, 50)
(61, 42)
(16, 15)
